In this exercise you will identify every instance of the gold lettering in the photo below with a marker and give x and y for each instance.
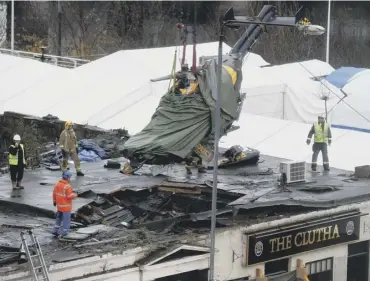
(326, 233)
(305, 242)
(311, 237)
(289, 241)
(272, 243)
(280, 244)
(319, 230)
(335, 232)
(304, 238)
(296, 243)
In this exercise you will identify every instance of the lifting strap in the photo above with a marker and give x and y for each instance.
(173, 72)
(194, 39)
(184, 45)
(185, 34)
(179, 27)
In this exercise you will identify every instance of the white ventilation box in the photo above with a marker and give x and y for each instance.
(295, 171)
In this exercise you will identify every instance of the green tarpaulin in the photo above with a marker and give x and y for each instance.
(181, 122)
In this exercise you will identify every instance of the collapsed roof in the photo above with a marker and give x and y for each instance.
(115, 212)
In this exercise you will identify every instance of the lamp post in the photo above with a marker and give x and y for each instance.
(328, 33)
(233, 22)
(12, 28)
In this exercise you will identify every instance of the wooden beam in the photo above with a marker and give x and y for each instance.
(181, 185)
(179, 190)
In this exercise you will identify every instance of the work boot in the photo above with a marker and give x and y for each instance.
(19, 184)
(188, 170)
(202, 170)
(14, 185)
(326, 167)
(80, 174)
(313, 167)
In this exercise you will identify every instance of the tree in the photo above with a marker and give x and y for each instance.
(2, 23)
(84, 26)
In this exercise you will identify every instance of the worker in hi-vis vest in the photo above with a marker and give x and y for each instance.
(322, 137)
(62, 199)
(17, 162)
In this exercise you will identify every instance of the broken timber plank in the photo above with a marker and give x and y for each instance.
(19, 226)
(179, 190)
(180, 185)
(99, 242)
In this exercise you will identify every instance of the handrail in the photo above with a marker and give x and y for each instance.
(66, 62)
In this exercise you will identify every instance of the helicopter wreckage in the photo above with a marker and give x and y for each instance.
(182, 127)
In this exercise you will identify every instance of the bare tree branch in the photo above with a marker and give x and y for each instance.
(2, 23)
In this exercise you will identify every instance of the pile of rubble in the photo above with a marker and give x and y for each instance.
(40, 136)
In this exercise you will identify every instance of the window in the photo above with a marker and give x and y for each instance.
(358, 261)
(321, 270)
(276, 267)
(319, 266)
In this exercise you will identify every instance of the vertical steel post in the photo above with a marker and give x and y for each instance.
(328, 32)
(59, 49)
(12, 28)
(215, 158)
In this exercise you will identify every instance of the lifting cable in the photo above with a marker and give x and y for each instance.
(185, 35)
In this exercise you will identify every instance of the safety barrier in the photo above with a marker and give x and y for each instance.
(66, 62)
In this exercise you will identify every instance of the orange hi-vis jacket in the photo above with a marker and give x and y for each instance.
(63, 196)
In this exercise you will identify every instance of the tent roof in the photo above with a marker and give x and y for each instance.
(18, 75)
(340, 77)
(287, 139)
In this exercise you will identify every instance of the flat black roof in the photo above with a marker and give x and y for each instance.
(133, 210)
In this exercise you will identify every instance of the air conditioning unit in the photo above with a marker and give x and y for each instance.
(294, 171)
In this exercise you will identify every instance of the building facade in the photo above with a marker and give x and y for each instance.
(333, 244)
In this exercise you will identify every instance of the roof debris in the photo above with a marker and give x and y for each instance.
(115, 212)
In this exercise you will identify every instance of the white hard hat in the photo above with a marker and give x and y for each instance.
(17, 138)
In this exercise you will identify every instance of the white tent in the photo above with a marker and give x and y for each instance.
(353, 111)
(17, 76)
(124, 104)
(146, 99)
(104, 92)
(108, 89)
(288, 91)
(110, 92)
(287, 139)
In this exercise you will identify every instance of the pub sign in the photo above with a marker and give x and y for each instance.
(276, 244)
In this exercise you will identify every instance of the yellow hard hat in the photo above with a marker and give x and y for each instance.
(68, 123)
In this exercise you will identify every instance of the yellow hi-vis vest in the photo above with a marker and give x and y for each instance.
(13, 159)
(320, 134)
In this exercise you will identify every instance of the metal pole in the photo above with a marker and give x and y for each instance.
(12, 28)
(284, 105)
(328, 32)
(215, 158)
(326, 110)
(59, 50)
